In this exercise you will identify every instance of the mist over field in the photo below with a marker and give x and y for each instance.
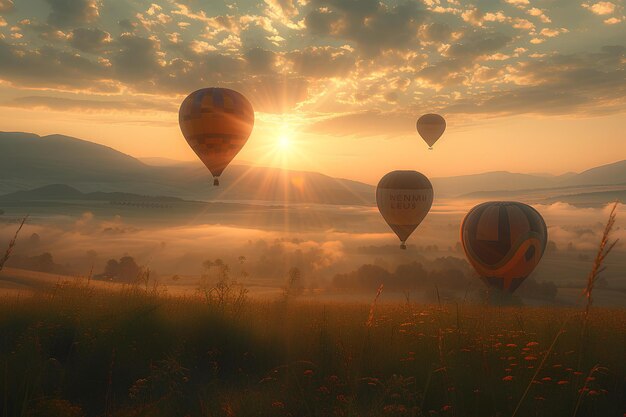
(330, 244)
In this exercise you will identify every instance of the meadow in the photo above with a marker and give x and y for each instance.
(77, 350)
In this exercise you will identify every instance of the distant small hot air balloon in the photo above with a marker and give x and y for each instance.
(431, 127)
(404, 199)
(216, 123)
(504, 241)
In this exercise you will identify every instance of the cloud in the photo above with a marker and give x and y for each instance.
(559, 84)
(600, 8)
(460, 56)
(51, 68)
(67, 13)
(436, 32)
(260, 60)
(89, 40)
(518, 2)
(137, 58)
(80, 105)
(374, 27)
(6, 6)
(551, 33)
(367, 55)
(321, 62)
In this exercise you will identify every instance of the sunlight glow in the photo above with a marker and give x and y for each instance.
(284, 142)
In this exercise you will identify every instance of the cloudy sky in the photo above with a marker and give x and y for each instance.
(526, 85)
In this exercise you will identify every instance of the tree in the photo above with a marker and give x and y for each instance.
(124, 270)
(294, 285)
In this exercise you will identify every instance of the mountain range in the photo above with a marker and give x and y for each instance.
(30, 161)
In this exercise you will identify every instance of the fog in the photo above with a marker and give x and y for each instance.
(347, 238)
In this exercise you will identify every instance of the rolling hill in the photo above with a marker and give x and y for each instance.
(62, 192)
(30, 161)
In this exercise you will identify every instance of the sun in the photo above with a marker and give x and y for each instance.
(284, 142)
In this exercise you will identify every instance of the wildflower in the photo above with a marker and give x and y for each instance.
(342, 398)
(530, 358)
(446, 408)
(511, 345)
(563, 382)
(308, 372)
(529, 344)
(546, 379)
(278, 404)
(508, 378)
(323, 390)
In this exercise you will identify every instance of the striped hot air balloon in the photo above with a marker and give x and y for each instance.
(404, 199)
(216, 123)
(504, 241)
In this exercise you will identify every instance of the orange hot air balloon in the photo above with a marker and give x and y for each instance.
(404, 198)
(431, 127)
(216, 123)
(504, 241)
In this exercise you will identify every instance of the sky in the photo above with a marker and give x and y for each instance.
(534, 86)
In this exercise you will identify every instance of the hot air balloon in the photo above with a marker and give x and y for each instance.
(216, 123)
(504, 241)
(404, 199)
(431, 127)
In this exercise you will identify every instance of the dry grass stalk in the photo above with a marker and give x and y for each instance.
(585, 388)
(9, 250)
(603, 251)
(370, 318)
(539, 368)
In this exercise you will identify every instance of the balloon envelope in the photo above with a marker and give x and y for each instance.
(504, 241)
(404, 199)
(216, 123)
(431, 127)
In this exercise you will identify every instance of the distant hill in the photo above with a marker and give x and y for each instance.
(594, 199)
(29, 161)
(489, 181)
(62, 192)
(614, 173)
(501, 183)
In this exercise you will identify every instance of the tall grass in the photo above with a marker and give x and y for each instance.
(12, 242)
(604, 249)
(134, 352)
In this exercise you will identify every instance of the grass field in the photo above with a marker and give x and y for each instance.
(78, 350)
